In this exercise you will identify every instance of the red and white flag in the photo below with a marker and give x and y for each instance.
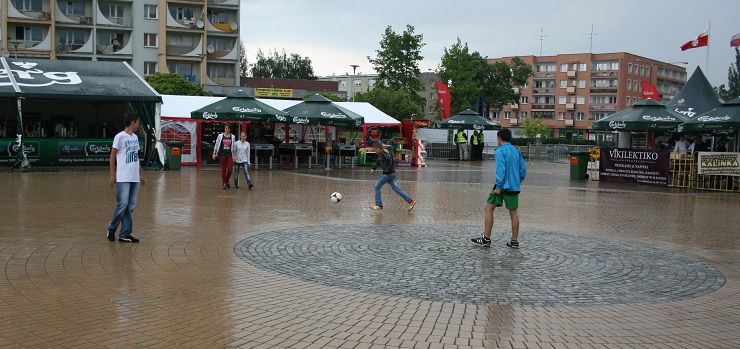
(649, 91)
(700, 41)
(735, 41)
(443, 100)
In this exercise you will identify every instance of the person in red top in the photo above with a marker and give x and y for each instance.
(224, 151)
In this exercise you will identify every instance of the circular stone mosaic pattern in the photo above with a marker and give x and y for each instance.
(439, 263)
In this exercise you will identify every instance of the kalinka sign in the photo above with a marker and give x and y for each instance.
(632, 165)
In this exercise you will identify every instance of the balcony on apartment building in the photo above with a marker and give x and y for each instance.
(602, 107)
(571, 74)
(569, 123)
(185, 17)
(225, 3)
(223, 49)
(513, 121)
(28, 11)
(543, 106)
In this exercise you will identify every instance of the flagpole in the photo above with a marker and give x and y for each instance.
(709, 31)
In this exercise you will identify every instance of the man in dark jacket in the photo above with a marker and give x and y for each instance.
(387, 164)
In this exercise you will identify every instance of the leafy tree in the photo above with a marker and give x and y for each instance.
(173, 84)
(533, 127)
(333, 97)
(463, 72)
(499, 80)
(282, 66)
(396, 103)
(397, 62)
(733, 80)
(243, 62)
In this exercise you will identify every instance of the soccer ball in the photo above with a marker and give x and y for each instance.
(336, 197)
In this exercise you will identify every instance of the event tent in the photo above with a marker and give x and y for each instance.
(696, 97)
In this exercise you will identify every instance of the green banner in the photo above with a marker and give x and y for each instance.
(62, 151)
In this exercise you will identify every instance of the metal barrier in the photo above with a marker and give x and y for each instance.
(552, 152)
(449, 151)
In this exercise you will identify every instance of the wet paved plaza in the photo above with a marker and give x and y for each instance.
(601, 265)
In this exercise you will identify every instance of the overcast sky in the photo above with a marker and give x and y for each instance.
(337, 33)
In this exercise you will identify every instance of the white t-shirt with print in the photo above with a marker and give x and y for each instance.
(127, 159)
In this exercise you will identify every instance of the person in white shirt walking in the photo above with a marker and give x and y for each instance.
(682, 145)
(241, 160)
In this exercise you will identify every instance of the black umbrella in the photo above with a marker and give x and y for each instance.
(643, 116)
(239, 106)
(468, 120)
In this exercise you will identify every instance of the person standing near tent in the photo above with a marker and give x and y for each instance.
(224, 151)
(126, 174)
(241, 160)
(510, 172)
(462, 144)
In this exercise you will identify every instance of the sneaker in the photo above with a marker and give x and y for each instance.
(111, 236)
(236, 186)
(250, 186)
(482, 241)
(225, 187)
(513, 244)
(411, 205)
(375, 208)
(228, 185)
(128, 239)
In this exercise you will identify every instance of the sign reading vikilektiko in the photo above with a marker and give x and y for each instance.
(721, 164)
(634, 165)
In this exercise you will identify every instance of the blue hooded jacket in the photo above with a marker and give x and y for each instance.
(510, 168)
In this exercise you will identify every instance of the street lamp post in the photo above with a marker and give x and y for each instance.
(351, 82)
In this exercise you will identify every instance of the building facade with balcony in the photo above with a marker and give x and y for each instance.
(197, 39)
(572, 91)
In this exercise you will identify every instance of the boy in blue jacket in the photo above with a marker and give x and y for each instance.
(510, 172)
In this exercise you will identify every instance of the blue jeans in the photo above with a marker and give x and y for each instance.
(126, 194)
(390, 179)
(237, 169)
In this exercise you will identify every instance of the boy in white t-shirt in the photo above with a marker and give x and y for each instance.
(126, 173)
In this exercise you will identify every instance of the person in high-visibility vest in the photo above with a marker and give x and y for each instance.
(462, 144)
(474, 146)
(481, 144)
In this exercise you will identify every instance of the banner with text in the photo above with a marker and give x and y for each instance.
(273, 92)
(721, 164)
(634, 165)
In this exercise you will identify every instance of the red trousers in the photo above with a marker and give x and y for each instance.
(227, 167)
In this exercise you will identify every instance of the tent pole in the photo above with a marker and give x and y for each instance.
(21, 161)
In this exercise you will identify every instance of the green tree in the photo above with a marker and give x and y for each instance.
(463, 72)
(333, 97)
(282, 66)
(533, 127)
(173, 84)
(243, 62)
(499, 80)
(396, 103)
(733, 80)
(397, 62)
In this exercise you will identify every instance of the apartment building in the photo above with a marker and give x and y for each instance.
(198, 39)
(571, 91)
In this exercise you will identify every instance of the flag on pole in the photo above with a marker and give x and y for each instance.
(649, 91)
(735, 41)
(700, 41)
(443, 98)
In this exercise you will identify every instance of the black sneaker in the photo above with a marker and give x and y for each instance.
(250, 186)
(225, 187)
(513, 244)
(128, 239)
(236, 186)
(111, 236)
(482, 241)
(228, 185)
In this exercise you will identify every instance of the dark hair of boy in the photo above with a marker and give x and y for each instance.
(129, 118)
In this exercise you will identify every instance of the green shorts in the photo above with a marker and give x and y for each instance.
(511, 200)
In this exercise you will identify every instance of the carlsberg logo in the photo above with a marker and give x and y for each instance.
(714, 118)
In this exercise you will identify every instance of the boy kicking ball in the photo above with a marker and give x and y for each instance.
(387, 164)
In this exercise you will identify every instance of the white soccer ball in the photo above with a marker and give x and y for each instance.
(336, 197)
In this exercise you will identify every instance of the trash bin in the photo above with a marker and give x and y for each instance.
(174, 155)
(579, 164)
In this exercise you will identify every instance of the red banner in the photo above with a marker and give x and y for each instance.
(700, 41)
(443, 100)
(735, 41)
(649, 91)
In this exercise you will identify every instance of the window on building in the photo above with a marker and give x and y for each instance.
(642, 70)
(371, 83)
(151, 11)
(150, 68)
(432, 96)
(524, 115)
(635, 85)
(523, 100)
(507, 115)
(647, 71)
(581, 83)
(33, 34)
(639, 86)
(343, 83)
(112, 12)
(629, 85)
(629, 68)
(579, 116)
(182, 68)
(105, 38)
(357, 82)
(28, 5)
(180, 40)
(604, 83)
(71, 37)
(182, 13)
(74, 8)
(495, 114)
(580, 100)
(563, 83)
(561, 100)
(564, 67)
(561, 116)
(582, 67)
(431, 109)
(220, 44)
(628, 101)
(218, 17)
(150, 40)
(219, 71)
